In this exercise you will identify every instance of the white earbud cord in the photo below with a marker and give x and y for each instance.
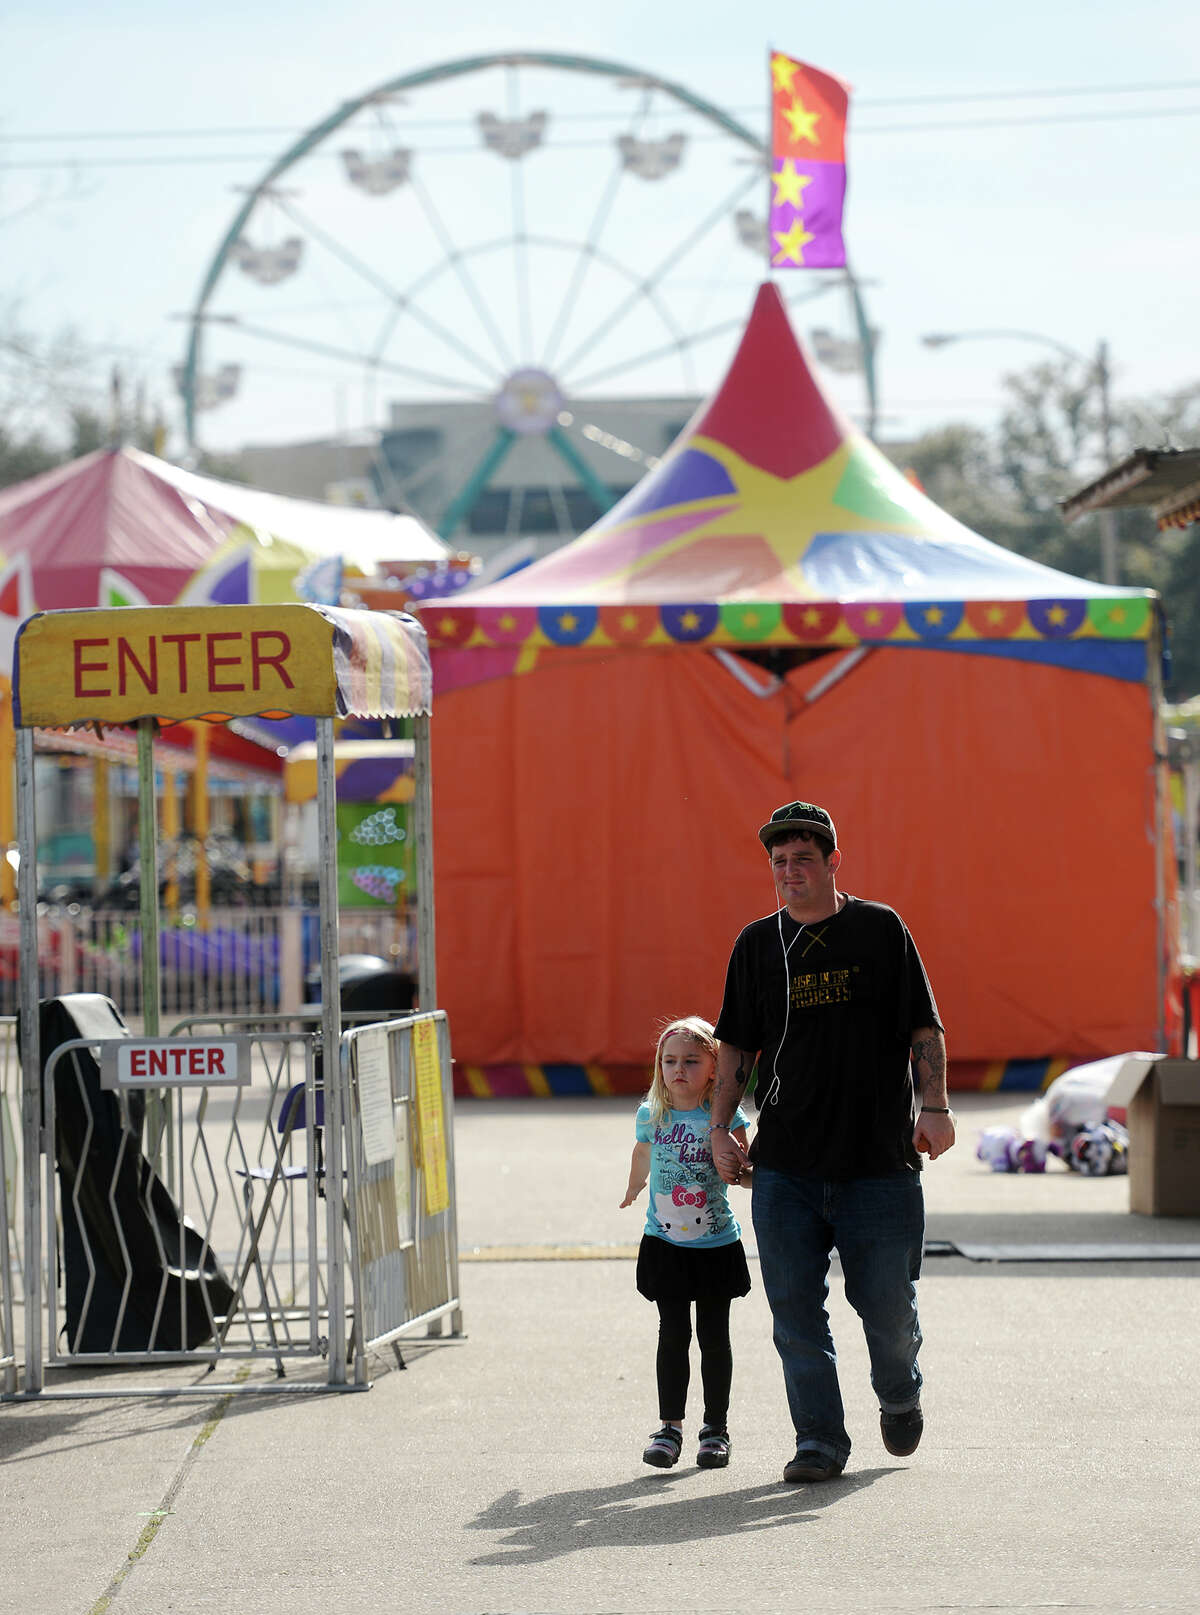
(772, 1094)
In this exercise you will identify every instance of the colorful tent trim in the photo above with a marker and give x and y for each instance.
(528, 1081)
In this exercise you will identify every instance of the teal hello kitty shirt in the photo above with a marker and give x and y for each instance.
(689, 1203)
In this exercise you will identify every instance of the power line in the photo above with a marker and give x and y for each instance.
(860, 102)
(209, 158)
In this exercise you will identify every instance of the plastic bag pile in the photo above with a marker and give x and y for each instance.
(1072, 1121)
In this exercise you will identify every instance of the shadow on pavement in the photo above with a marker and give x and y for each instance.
(634, 1514)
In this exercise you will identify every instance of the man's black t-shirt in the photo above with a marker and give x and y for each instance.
(835, 1030)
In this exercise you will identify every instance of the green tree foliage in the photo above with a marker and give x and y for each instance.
(1006, 485)
(51, 408)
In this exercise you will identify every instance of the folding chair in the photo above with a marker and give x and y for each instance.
(293, 1115)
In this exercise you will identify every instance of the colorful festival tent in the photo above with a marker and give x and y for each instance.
(120, 527)
(777, 612)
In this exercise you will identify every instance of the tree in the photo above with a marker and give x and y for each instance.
(1006, 484)
(50, 402)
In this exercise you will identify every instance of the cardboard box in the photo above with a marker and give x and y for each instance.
(1162, 1104)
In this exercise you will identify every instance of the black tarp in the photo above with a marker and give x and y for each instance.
(123, 1234)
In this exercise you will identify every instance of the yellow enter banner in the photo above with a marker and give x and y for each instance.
(174, 662)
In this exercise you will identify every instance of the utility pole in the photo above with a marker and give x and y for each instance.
(1108, 517)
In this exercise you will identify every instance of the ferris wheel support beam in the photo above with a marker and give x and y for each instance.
(599, 492)
(460, 506)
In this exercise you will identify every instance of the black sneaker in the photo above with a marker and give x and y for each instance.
(810, 1465)
(664, 1449)
(713, 1451)
(901, 1432)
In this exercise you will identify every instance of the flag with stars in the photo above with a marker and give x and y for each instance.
(808, 166)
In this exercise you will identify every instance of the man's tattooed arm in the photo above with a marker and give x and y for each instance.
(929, 1065)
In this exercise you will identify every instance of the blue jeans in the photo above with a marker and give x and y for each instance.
(878, 1227)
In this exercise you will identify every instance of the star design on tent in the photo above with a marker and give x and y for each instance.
(776, 509)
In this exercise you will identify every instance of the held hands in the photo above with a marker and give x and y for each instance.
(934, 1133)
(729, 1158)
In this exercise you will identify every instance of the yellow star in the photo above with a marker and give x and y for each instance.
(508, 623)
(689, 622)
(873, 617)
(789, 184)
(1056, 615)
(791, 243)
(934, 615)
(750, 619)
(629, 621)
(783, 71)
(995, 615)
(1117, 614)
(811, 617)
(803, 122)
(767, 506)
(568, 623)
(448, 627)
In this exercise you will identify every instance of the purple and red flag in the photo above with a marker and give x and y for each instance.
(808, 166)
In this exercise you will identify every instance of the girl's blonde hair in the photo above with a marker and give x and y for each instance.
(700, 1032)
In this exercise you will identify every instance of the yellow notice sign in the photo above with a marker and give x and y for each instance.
(431, 1125)
(118, 665)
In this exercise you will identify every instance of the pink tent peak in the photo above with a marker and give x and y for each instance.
(769, 409)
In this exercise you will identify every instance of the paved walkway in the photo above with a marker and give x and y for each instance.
(501, 1472)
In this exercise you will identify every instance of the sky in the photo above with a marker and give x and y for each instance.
(1020, 169)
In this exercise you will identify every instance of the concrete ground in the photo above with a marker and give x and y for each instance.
(501, 1472)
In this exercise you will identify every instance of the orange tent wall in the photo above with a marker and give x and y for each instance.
(596, 852)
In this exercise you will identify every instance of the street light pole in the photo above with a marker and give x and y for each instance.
(1108, 518)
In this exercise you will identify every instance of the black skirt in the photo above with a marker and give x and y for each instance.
(689, 1273)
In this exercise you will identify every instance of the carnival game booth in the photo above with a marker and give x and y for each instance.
(776, 612)
(235, 1187)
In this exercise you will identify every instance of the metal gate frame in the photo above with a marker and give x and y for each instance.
(376, 664)
(404, 1279)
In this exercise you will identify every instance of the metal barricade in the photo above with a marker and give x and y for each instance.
(226, 1202)
(10, 1199)
(401, 1195)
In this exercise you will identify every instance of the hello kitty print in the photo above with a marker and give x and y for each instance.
(688, 1203)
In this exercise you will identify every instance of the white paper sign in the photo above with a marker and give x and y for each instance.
(375, 1095)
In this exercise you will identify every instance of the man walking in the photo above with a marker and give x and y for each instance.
(830, 995)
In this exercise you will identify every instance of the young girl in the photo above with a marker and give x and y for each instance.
(691, 1249)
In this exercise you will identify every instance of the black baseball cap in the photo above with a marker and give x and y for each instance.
(794, 817)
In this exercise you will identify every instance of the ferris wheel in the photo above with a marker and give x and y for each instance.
(510, 240)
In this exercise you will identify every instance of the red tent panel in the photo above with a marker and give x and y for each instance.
(596, 852)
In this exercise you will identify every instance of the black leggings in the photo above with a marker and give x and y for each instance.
(716, 1357)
